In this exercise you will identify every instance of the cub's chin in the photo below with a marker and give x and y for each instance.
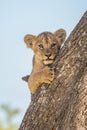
(48, 62)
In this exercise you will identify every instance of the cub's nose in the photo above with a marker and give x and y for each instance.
(48, 55)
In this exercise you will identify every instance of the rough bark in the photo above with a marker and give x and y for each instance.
(63, 105)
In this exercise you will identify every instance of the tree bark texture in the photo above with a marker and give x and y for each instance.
(63, 105)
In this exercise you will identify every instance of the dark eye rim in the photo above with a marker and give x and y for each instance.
(40, 46)
(53, 45)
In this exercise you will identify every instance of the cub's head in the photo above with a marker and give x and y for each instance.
(46, 45)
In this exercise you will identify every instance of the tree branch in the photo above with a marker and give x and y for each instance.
(63, 105)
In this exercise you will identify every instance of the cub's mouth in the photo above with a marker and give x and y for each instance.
(48, 61)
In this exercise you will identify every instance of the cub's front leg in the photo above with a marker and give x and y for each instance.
(45, 75)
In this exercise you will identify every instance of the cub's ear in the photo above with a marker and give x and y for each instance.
(60, 36)
(28, 39)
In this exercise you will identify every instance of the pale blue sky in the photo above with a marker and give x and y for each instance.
(18, 18)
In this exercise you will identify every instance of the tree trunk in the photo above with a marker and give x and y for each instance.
(63, 105)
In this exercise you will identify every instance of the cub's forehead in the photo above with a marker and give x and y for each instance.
(45, 37)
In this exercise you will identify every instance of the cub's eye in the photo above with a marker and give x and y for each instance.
(40, 46)
(53, 45)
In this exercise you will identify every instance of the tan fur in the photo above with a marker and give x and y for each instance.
(45, 46)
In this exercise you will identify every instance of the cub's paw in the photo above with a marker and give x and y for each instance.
(48, 75)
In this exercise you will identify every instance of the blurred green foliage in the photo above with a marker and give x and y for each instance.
(10, 114)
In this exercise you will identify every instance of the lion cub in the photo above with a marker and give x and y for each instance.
(45, 46)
